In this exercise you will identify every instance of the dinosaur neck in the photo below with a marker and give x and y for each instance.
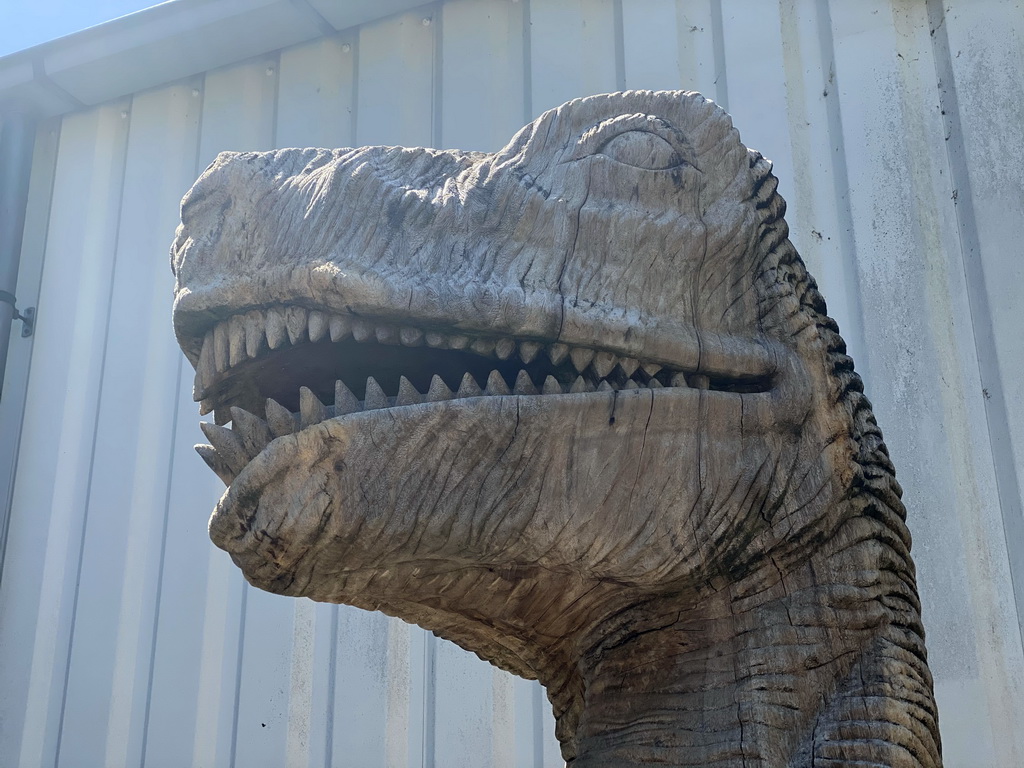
(726, 682)
(664, 692)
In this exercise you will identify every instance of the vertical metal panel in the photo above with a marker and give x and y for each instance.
(396, 76)
(117, 579)
(924, 375)
(978, 104)
(48, 513)
(125, 638)
(981, 69)
(360, 689)
(464, 689)
(192, 607)
(651, 45)
(316, 85)
(817, 187)
(573, 47)
(483, 104)
(18, 584)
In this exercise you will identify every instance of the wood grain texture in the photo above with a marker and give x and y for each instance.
(576, 406)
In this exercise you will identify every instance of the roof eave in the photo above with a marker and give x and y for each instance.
(169, 42)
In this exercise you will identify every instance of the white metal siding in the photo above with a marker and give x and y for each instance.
(126, 639)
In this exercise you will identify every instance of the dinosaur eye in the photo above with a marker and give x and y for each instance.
(641, 149)
(647, 142)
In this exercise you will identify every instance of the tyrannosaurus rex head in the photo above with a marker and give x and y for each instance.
(553, 403)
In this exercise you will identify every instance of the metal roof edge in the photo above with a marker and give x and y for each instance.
(168, 42)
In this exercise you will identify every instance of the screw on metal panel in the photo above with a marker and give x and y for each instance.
(426, 21)
(345, 48)
(124, 114)
(270, 71)
(195, 91)
(28, 322)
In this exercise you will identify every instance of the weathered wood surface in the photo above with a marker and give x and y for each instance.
(578, 407)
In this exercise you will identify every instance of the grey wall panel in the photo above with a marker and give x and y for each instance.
(397, 62)
(125, 507)
(482, 105)
(572, 51)
(19, 600)
(922, 357)
(61, 415)
(127, 639)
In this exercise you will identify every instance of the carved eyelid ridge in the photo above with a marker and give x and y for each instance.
(595, 139)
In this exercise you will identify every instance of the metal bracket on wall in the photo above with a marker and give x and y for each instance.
(28, 317)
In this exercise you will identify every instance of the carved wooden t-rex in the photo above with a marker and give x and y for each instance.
(576, 406)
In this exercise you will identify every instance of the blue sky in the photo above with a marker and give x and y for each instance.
(24, 23)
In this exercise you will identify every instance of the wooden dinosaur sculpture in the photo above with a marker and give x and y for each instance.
(576, 406)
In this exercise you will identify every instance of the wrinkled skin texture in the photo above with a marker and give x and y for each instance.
(711, 574)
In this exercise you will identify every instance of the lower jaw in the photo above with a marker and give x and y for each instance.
(495, 480)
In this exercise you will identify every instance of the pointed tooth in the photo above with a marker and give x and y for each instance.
(551, 386)
(252, 429)
(221, 344)
(221, 416)
(483, 346)
(650, 368)
(296, 320)
(344, 400)
(458, 342)
(579, 386)
(255, 339)
(411, 337)
(655, 384)
(528, 350)
(504, 348)
(581, 357)
(205, 406)
(361, 330)
(276, 330)
(558, 352)
(436, 340)
(215, 462)
(386, 334)
(468, 387)
(631, 385)
(407, 393)
(205, 369)
(699, 381)
(236, 340)
(318, 325)
(496, 385)
(679, 379)
(280, 420)
(228, 445)
(340, 327)
(524, 386)
(375, 397)
(603, 363)
(604, 386)
(438, 390)
(311, 410)
(629, 365)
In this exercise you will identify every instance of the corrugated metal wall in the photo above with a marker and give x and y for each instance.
(126, 639)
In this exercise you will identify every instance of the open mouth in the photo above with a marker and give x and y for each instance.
(274, 371)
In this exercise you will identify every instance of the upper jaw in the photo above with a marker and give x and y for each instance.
(236, 331)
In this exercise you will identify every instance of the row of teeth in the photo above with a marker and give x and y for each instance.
(247, 336)
(231, 449)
